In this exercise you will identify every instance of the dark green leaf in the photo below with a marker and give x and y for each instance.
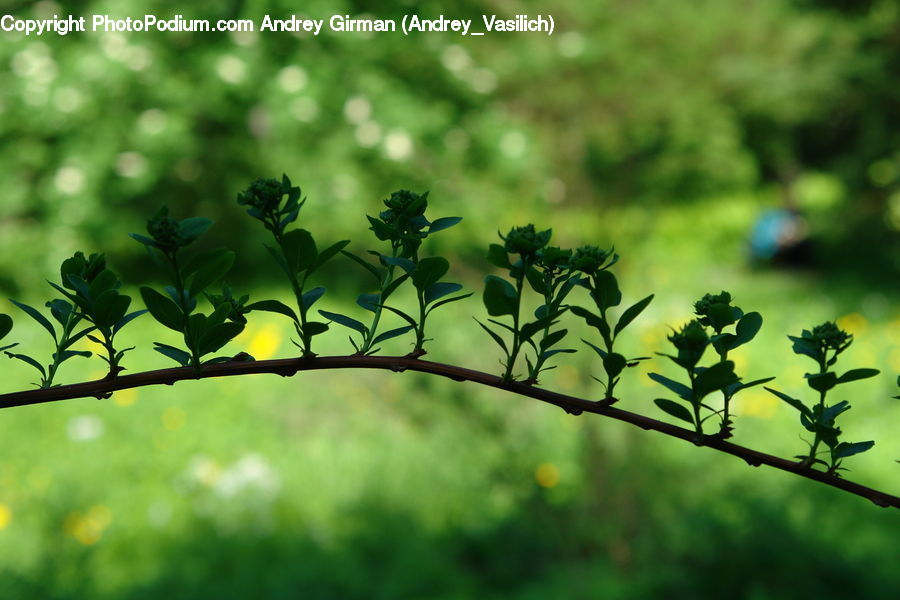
(553, 338)
(746, 329)
(821, 382)
(218, 335)
(309, 298)
(716, 377)
(536, 281)
(6, 324)
(369, 302)
(434, 291)
(61, 310)
(313, 328)
(497, 256)
(496, 337)
(683, 391)
(299, 250)
(407, 265)
(845, 449)
(273, 306)
(368, 267)
(34, 314)
(499, 296)
(176, 354)
(429, 271)
(606, 293)
(614, 364)
(851, 375)
(443, 223)
(143, 239)
(400, 314)
(792, 401)
(211, 270)
(128, 319)
(448, 301)
(67, 354)
(109, 308)
(27, 359)
(631, 313)
(674, 409)
(392, 287)
(345, 321)
(326, 254)
(163, 310)
(597, 349)
(194, 227)
(391, 334)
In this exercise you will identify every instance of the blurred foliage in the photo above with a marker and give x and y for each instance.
(661, 126)
(628, 102)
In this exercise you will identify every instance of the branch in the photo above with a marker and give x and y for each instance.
(103, 388)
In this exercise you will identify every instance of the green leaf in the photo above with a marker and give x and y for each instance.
(176, 354)
(382, 230)
(683, 391)
(400, 314)
(128, 319)
(594, 321)
(821, 382)
(369, 302)
(67, 354)
(631, 313)
(407, 265)
(434, 291)
(391, 334)
(448, 301)
(61, 310)
(851, 375)
(278, 255)
(746, 329)
(273, 306)
(536, 281)
(429, 271)
(34, 314)
(443, 223)
(368, 267)
(674, 409)
(597, 349)
(105, 280)
(345, 321)
(714, 378)
(143, 239)
(494, 335)
(392, 287)
(219, 335)
(299, 250)
(109, 308)
(845, 449)
(163, 310)
(499, 296)
(528, 330)
(553, 338)
(313, 328)
(606, 292)
(6, 325)
(27, 359)
(327, 254)
(737, 387)
(210, 270)
(497, 256)
(194, 227)
(792, 401)
(311, 297)
(614, 364)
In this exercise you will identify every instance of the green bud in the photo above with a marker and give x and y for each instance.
(525, 240)
(590, 259)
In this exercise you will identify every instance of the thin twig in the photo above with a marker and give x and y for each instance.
(103, 388)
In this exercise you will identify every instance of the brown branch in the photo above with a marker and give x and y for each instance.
(103, 388)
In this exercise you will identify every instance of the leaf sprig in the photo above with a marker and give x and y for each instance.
(276, 205)
(203, 334)
(823, 345)
(603, 288)
(405, 227)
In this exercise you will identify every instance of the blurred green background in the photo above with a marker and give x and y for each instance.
(664, 127)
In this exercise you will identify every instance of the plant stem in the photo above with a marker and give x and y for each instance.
(514, 353)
